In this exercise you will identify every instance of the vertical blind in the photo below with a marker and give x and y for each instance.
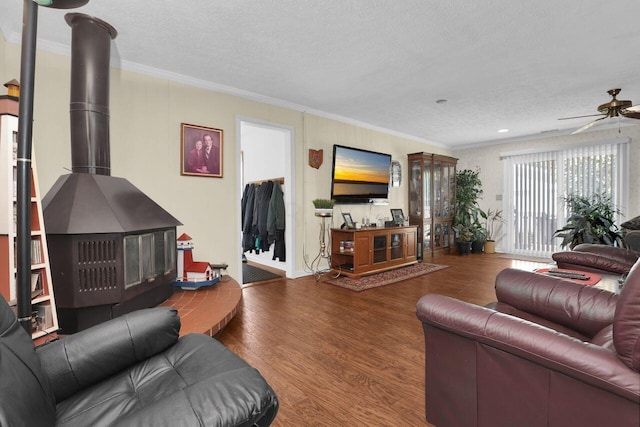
(536, 184)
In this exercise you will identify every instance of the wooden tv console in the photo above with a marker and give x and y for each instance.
(355, 253)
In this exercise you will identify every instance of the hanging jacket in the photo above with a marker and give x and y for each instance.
(261, 210)
(247, 207)
(276, 222)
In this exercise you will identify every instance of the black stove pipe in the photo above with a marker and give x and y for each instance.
(23, 167)
(89, 104)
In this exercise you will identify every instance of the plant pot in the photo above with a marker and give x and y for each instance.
(323, 212)
(490, 247)
(464, 248)
(476, 246)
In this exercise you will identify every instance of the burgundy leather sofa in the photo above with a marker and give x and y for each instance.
(597, 259)
(129, 371)
(549, 352)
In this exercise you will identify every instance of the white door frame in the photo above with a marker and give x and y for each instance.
(288, 187)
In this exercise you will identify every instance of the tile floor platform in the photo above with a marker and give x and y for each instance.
(208, 309)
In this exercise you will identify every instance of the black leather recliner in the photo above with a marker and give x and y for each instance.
(129, 371)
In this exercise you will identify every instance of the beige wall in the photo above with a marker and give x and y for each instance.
(146, 113)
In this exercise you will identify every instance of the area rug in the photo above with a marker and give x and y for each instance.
(385, 278)
(251, 274)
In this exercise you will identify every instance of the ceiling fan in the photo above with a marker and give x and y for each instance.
(613, 108)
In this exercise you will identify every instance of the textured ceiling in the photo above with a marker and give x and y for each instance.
(384, 63)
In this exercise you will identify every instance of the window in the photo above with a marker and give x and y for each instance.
(149, 255)
(131, 261)
(159, 252)
(536, 183)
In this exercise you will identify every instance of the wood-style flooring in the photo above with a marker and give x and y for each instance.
(341, 358)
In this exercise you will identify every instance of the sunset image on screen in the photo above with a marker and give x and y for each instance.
(361, 167)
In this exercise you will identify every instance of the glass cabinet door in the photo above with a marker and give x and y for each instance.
(451, 184)
(437, 236)
(415, 190)
(445, 235)
(379, 249)
(426, 190)
(396, 245)
(426, 238)
(437, 190)
(445, 191)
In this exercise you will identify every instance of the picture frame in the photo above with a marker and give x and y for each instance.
(398, 216)
(396, 174)
(348, 220)
(201, 151)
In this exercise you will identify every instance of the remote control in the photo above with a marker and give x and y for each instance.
(567, 274)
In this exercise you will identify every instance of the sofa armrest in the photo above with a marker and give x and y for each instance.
(89, 356)
(588, 363)
(622, 255)
(586, 261)
(582, 308)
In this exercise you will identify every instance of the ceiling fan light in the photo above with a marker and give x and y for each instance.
(61, 4)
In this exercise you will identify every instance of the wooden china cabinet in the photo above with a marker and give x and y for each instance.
(432, 189)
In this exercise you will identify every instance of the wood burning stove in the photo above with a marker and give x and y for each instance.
(112, 249)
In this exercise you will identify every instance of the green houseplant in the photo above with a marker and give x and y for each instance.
(591, 220)
(492, 218)
(468, 191)
(323, 206)
(464, 238)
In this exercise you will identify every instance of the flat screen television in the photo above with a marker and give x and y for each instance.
(360, 176)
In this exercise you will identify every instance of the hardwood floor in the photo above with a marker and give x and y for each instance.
(340, 358)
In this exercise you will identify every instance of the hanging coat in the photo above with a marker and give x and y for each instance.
(276, 222)
(247, 205)
(261, 210)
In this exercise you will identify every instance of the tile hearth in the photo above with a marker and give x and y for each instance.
(208, 309)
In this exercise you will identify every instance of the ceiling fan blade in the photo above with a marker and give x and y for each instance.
(631, 112)
(588, 125)
(580, 117)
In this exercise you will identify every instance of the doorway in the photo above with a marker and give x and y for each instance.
(267, 153)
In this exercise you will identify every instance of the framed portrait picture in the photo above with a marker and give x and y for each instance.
(398, 216)
(348, 220)
(200, 151)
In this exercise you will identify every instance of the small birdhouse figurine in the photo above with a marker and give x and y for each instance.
(13, 88)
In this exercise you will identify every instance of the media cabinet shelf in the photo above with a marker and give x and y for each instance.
(355, 253)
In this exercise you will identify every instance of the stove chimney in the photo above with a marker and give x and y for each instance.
(89, 107)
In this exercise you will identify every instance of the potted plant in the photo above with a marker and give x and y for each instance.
(591, 221)
(479, 231)
(492, 218)
(323, 207)
(468, 191)
(464, 237)
(479, 238)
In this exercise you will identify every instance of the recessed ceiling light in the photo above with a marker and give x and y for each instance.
(441, 101)
(503, 130)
